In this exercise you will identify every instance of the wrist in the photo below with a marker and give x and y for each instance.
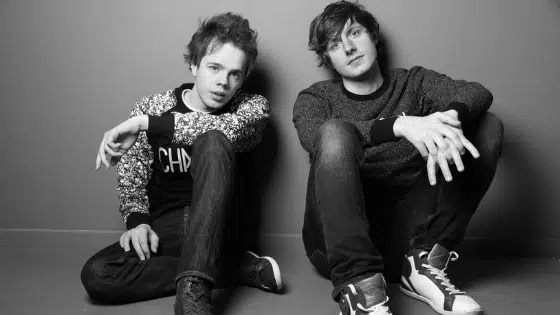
(142, 122)
(146, 225)
(398, 126)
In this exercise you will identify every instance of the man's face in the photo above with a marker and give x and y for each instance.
(219, 76)
(354, 53)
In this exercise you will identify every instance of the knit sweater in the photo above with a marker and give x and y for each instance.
(154, 175)
(414, 92)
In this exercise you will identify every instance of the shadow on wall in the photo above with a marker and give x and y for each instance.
(255, 168)
(521, 202)
(518, 230)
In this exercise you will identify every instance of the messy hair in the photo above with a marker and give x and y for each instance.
(221, 29)
(328, 26)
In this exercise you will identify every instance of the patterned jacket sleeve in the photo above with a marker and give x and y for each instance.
(133, 174)
(243, 126)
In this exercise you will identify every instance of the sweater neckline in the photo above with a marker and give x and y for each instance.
(184, 108)
(179, 95)
(367, 97)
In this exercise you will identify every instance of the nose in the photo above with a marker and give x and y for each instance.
(223, 80)
(348, 45)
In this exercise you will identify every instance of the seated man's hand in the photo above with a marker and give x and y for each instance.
(119, 140)
(453, 156)
(140, 236)
(442, 161)
(459, 131)
(428, 133)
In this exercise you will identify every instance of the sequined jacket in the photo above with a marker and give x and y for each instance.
(242, 121)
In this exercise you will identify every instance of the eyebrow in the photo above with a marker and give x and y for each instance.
(353, 26)
(215, 64)
(222, 66)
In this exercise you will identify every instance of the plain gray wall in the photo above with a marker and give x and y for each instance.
(70, 70)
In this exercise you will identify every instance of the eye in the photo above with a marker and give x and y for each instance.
(355, 32)
(236, 75)
(213, 68)
(334, 45)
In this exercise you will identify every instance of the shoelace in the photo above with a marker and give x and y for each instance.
(197, 309)
(441, 275)
(374, 309)
(195, 306)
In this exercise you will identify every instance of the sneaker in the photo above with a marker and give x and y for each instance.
(193, 297)
(365, 297)
(424, 278)
(261, 272)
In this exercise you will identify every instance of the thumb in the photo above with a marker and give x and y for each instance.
(447, 119)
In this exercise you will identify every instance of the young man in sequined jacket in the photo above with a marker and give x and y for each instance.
(176, 163)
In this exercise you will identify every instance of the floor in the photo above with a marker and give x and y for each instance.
(46, 282)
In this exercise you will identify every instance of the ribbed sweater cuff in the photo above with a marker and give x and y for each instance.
(136, 218)
(161, 126)
(462, 109)
(382, 131)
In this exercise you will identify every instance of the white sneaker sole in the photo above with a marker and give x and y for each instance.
(275, 269)
(435, 307)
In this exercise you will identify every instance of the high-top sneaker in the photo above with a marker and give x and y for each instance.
(365, 297)
(261, 272)
(193, 297)
(424, 278)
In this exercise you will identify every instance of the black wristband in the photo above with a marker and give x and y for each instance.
(382, 131)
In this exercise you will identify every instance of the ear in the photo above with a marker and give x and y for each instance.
(194, 69)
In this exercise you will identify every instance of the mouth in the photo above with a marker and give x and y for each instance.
(354, 59)
(218, 94)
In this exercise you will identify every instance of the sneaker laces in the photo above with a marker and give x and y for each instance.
(381, 307)
(196, 303)
(441, 275)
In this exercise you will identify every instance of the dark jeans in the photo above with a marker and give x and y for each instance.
(191, 238)
(353, 226)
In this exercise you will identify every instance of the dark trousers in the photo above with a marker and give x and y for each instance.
(353, 226)
(191, 238)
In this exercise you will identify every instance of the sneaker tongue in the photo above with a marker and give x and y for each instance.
(374, 289)
(438, 257)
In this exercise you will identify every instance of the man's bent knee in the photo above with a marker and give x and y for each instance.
(337, 137)
(94, 280)
(491, 131)
(213, 141)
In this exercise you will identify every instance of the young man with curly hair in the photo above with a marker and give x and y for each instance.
(376, 140)
(176, 166)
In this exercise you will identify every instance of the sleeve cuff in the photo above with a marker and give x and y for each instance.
(462, 109)
(161, 126)
(382, 131)
(136, 218)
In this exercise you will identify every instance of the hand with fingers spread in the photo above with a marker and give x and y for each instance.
(453, 156)
(119, 140)
(441, 162)
(428, 133)
(143, 239)
(459, 131)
